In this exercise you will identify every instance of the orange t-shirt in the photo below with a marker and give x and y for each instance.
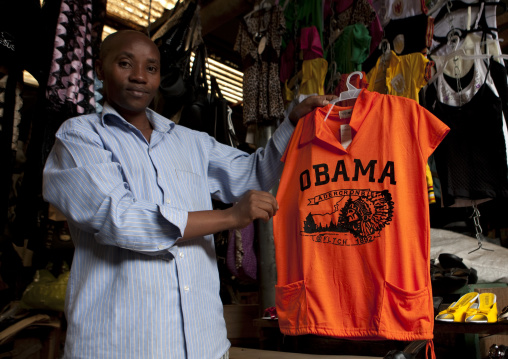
(352, 241)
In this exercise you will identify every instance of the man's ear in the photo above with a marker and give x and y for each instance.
(99, 70)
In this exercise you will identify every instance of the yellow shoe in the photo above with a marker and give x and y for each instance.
(456, 312)
(486, 311)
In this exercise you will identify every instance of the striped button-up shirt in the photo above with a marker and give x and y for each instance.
(136, 290)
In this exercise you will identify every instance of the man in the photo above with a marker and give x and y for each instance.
(136, 190)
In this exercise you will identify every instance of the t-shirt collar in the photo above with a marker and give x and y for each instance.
(313, 129)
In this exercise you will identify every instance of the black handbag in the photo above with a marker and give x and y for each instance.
(175, 58)
(222, 125)
(207, 112)
(195, 111)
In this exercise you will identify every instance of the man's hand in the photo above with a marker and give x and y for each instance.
(254, 205)
(307, 105)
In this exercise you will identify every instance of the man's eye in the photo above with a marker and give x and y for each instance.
(153, 69)
(124, 64)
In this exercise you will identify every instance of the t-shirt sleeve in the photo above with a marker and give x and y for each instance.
(431, 131)
(420, 68)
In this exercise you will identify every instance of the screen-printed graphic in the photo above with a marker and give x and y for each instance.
(357, 216)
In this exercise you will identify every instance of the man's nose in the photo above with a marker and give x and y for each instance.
(138, 74)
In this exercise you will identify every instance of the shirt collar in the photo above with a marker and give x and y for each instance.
(159, 123)
(313, 129)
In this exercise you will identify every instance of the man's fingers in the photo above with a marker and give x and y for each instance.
(262, 204)
(308, 105)
(265, 201)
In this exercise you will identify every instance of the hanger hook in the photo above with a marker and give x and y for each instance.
(348, 84)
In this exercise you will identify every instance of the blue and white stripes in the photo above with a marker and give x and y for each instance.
(135, 291)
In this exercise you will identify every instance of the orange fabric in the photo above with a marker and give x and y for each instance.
(430, 347)
(352, 243)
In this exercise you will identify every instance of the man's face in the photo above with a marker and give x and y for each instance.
(130, 70)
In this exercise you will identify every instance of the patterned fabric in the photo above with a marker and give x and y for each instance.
(71, 80)
(262, 96)
(136, 290)
(359, 12)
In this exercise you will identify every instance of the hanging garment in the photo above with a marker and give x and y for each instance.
(313, 76)
(398, 9)
(471, 73)
(403, 76)
(400, 75)
(288, 62)
(352, 231)
(259, 41)
(470, 45)
(405, 36)
(471, 162)
(352, 48)
(70, 86)
(462, 19)
(359, 12)
(303, 13)
(310, 43)
(309, 80)
(412, 34)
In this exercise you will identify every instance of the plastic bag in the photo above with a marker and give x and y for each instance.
(46, 291)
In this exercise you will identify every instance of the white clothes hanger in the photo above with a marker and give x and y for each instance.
(351, 93)
(462, 53)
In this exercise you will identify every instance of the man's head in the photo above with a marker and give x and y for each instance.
(129, 66)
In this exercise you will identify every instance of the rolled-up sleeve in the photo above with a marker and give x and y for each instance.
(88, 187)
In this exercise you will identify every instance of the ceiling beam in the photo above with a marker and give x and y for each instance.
(218, 12)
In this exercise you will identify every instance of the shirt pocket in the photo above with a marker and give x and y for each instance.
(291, 301)
(406, 311)
(191, 191)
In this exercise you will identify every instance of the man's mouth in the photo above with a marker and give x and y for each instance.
(137, 92)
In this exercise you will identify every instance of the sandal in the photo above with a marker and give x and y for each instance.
(485, 310)
(456, 312)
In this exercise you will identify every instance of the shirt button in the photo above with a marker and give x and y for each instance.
(160, 246)
(186, 288)
(168, 201)
(180, 254)
(159, 176)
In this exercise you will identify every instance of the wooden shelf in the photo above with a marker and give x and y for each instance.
(439, 327)
(471, 328)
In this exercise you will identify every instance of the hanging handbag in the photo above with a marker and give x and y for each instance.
(207, 112)
(175, 57)
(221, 123)
(195, 111)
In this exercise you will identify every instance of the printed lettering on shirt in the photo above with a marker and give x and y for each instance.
(320, 173)
(357, 217)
